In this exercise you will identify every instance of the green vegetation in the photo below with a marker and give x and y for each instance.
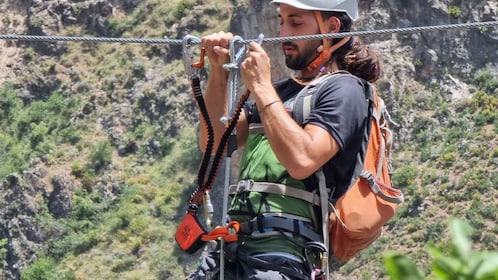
(120, 120)
(454, 261)
(35, 129)
(454, 11)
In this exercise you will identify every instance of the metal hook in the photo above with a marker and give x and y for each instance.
(261, 36)
(236, 56)
(192, 69)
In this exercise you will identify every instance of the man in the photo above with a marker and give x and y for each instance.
(289, 153)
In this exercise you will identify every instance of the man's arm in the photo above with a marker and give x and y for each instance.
(301, 150)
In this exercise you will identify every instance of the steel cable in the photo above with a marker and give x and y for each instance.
(276, 39)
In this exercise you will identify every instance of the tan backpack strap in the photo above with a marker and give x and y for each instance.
(274, 188)
(256, 128)
(324, 201)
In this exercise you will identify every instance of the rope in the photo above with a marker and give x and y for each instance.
(278, 39)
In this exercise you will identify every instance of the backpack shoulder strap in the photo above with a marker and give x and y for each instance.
(362, 154)
(306, 98)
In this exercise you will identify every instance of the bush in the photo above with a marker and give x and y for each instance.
(42, 269)
(9, 104)
(454, 11)
(405, 176)
(487, 81)
(100, 156)
(461, 263)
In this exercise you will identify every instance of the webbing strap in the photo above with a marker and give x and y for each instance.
(274, 188)
(324, 200)
(305, 99)
(260, 263)
(378, 116)
(256, 128)
(261, 224)
(395, 196)
(227, 233)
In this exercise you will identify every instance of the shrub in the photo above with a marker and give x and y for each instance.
(405, 175)
(487, 81)
(461, 263)
(43, 269)
(454, 11)
(100, 156)
(3, 252)
(9, 104)
(37, 134)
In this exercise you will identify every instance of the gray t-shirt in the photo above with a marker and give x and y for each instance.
(341, 109)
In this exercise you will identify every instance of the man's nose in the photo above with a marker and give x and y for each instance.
(284, 31)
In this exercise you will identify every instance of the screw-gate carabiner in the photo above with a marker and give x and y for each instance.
(236, 58)
(192, 69)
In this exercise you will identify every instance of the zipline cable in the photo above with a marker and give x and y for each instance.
(278, 39)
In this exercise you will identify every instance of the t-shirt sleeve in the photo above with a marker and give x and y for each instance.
(340, 108)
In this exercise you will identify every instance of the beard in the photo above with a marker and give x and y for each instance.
(304, 57)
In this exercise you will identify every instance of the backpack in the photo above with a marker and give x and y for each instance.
(356, 219)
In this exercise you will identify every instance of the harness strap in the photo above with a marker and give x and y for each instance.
(264, 264)
(274, 188)
(322, 185)
(378, 113)
(262, 224)
(256, 128)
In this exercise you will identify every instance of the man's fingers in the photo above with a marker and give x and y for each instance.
(220, 50)
(253, 46)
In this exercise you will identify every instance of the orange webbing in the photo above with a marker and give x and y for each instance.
(227, 233)
(328, 50)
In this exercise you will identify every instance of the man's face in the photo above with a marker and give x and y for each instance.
(296, 22)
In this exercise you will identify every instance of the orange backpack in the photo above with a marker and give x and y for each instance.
(357, 217)
(371, 201)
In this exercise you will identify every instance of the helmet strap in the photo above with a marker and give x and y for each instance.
(327, 51)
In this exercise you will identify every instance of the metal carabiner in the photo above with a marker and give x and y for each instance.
(192, 69)
(236, 58)
(237, 54)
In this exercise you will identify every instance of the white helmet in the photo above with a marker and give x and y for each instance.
(350, 7)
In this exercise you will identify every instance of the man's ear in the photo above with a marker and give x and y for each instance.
(334, 24)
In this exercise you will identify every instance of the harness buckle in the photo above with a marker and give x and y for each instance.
(244, 186)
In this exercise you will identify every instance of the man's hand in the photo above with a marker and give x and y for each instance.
(217, 48)
(256, 69)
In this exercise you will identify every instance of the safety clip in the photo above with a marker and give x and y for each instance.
(192, 68)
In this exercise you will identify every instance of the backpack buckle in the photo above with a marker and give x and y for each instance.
(244, 186)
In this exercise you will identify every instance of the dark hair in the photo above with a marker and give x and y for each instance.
(355, 57)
